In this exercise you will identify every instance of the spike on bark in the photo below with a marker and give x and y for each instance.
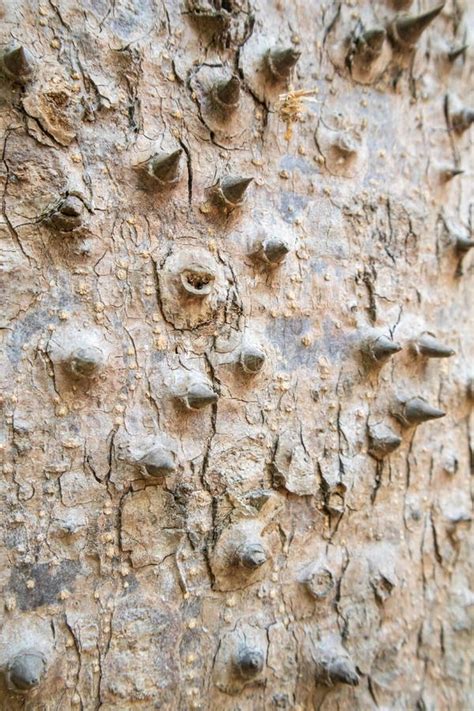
(417, 410)
(347, 145)
(450, 173)
(369, 45)
(251, 555)
(401, 4)
(470, 389)
(165, 168)
(67, 216)
(429, 346)
(382, 348)
(406, 30)
(84, 362)
(464, 244)
(337, 670)
(382, 442)
(461, 120)
(457, 52)
(273, 251)
(231, 190)
(281, 61)
(252, 359)
(226, 94)
(18, 64)
(26, 671)
(158, 462)
(199, 396)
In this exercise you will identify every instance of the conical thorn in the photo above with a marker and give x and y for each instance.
(464, 244)
(343, 671)
(231, 190)
(461, 120)
(226, 94)
(450, 173)
(72, 206)
(417, 410)
(281, 62)
(382, 442)
(406, 30)
(470, 388)
(369, 45)
(67, 216)
(274, 251)
(158, 462)
(429, 346)
(199, 396)
(457, 52)
(83, 362)
(18, 64)
(252, 359)
(381, 348)
(251, 555)
(165, 167)
(402, 4)
(347, 145)
(337, 670)
(26, 670)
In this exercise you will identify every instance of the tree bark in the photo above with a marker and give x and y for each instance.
(237, 355)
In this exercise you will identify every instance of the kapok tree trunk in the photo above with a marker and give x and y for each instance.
(237, 355)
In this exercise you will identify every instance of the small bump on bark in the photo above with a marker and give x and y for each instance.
(346, 145)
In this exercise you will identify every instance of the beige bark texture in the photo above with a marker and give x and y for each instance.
(237, 355)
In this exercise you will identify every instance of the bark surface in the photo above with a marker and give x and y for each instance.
(227, 479)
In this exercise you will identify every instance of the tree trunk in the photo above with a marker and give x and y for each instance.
(237, 332)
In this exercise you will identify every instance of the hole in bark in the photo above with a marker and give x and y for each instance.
(197, 281)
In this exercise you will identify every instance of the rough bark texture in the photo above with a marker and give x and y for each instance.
(215, 494)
